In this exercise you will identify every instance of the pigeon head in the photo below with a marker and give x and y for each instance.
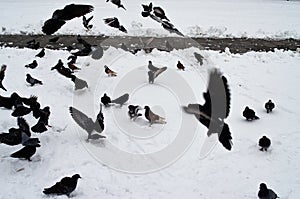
(150, 62)
(14, 96)
(246, 108)
(270, 101)
(105, 66)
(34, 61)
(76, 176)
(147, 107)
(263, 186)
(27, 75)
(3, 67)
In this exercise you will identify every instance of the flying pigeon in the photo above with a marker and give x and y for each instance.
(147, 10)
(180, 66)
(32, 65)
(63, 70)
(264, 143)
(133, 111)
(159, 12)
(2, 75)
(121, 100)
(54, 39)
(249, 114)
(20, 109)
(109, 72)
(171, 28)
(88, 124)
(269, 106)
(215, 109)
(79, 83)
(41, 53)
(26, 152)
(154, 74)
(32, 81)
(105, 100)
(265, 193)
(60, 17)
(64, 187)
(117, 3)
(86, 22)
(114, 22)
(43, 121)
(152, 117)
(151, 67)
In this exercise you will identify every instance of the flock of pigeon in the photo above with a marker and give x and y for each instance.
(217, 95)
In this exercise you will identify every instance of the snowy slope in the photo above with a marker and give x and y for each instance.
(253, 79)
(198, 18)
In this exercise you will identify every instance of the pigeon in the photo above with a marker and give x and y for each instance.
(64, 187)
(180, 66)
(105, 100)
(9, 102)
(84, 51)
(264, 143)
(72, 59)
(88, 124)
(169, 47)
(159, 12)
(249, 114)
(215, 109)
(199, 58)
(269, 106)
(32, 81)
(32, 65)
(133, 111)
(41, 54)
(63, 70)
(2, 75)
(109, 72)
(26, 152)
(121, 100)
(43, 121)
(171, 28)
(152, 75)
(114, 22)
(60, 17)
(86, 22)
(147, 10)
(20, 109)
(33, 44)
(117, 3)
(151, 67)
(152, 117)
(33, 104)
(54, 39)
(79, 83)
(27, 141)
(72, 66)
(265, 193)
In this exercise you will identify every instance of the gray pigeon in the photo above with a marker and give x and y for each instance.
(199, 58)
(154, 74)
(152, 117)
(151, 67)
(265, 193)
(121, 100)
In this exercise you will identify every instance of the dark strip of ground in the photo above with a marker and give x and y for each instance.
(236, 45)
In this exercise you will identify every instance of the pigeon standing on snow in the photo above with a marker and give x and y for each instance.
(64, 187)
(121, 100)
(63, 70)
(2, 75)
(117, 3)
(20, 109)
(88, 124)
(180, 66)
(32, 65)
(72, 59)
(265, 193)
(32, 81)
(60, 17)
(249, 114)
(86, 22)
(269, 106)
(218, 96)
(133, 111)
(41, 54)
(41, 125)
(152, 117)
(26, 152)
(105, 100)
(109, 72)
(114, 22)
(199, 58)
(147, 10)
(264, 143)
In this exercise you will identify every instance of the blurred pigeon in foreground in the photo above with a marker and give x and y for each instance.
(64, 187)
(2, 75)
(265, 193)
(152, 117)
(153, 75)
(60, 17)
(88, 124)
(86, 22)
(215, 109)
(121, 100)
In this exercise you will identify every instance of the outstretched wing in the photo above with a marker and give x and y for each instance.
(52, 25)
(23, 125)
(82, 120)
(121, 100)
(72, 11)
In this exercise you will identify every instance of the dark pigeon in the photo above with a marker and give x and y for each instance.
(43, 122)
(105, 100)
(180, 66)
(114, 22)
(60, 17)
(133, 111)
(33, 44)
(26, 152)
(79, 83)
(41, 54)
(265, 193)
(64, 187)
(2, 75)
(218, 96)
(121, 100)
(269, 106)
(72, 59)
(88, 124)
(117, 3)
(63, 70)
(32, 81)
(152, 117)
(249, 114)
(32, 65)
(9, 102)
(86, 22)
(264, 143)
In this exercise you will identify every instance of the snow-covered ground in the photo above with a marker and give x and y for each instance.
(197, 18)
(253, 79)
